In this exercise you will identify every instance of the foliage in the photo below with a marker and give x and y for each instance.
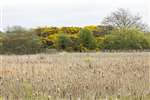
(104, 30)
(87, 39)
(63, 42)
(75, 44)
(148, 38)
(49, 34)
(99, 41)
(94, 29)
(21, 43)
(70, 30)
(80, 39)
(99, 30)
(125, 39)
(91, 28)
(49, 41)
(1, 39)
(46, 31)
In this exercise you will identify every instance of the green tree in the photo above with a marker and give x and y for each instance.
(125, 39)
(87, 39)
(63, 42)
(21, 43)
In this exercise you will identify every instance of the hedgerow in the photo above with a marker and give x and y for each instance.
(75, 39)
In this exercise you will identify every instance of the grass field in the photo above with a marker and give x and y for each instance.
(75, 76)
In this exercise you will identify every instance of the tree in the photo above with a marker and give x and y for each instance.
(63, 42)
(123, 19)
(87, 39)
(125, 39)
(21, 43)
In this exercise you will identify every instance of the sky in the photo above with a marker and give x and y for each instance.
(34, 13)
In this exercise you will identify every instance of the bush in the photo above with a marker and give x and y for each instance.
(1, 38)
(70, 30)
(75, 44)
(49, 41)
(125, 39)
(99, 41)
(87, 39)
(63, 42)
(21, 43)
(148, 38)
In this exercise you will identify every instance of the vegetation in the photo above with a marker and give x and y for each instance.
(74, 76)
(21, 43)
(63, 42)
(123, 19)
(119, 31)
(126, 39)
(87, 39)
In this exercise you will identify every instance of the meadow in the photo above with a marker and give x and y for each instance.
(75, 76)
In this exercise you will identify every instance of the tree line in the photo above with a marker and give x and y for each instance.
(119, 31)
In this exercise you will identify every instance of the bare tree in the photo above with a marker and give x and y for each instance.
(123, 19)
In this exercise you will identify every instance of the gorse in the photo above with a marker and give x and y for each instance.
(119, 31)
(117, 39)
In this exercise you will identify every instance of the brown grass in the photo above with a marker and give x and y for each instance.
(75, 76)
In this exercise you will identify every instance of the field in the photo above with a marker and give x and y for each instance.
(75, 76)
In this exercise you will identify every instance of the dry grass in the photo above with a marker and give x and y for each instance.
(75, 76)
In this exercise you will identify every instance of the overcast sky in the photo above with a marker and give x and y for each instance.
(33, 13)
